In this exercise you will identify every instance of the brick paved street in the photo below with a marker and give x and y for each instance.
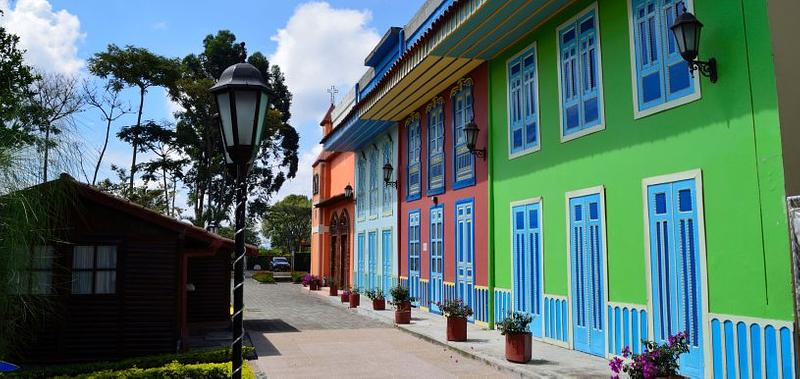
(298, 334)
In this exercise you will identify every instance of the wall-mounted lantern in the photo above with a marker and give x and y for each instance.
(387, 176)
(686, 30)
(471, 131)
(348, 191)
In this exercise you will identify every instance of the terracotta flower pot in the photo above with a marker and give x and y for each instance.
(355, 300)
(345, 297)
(333, 291)
(456, 329)
(379, 305)
(402, 315)
(518, 347)
(313, 286)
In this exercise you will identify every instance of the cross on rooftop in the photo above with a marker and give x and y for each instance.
(333, 91)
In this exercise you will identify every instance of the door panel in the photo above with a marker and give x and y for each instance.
(413, 255)
(372, 247)
(465, 253)
(527, 258)
(675, 268)
(587, 273)
(386, 254)
(359, 274)
(437, 258)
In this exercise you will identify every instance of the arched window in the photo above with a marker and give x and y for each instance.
(414, 149)
(461, 96)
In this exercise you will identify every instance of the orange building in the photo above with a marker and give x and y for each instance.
(331, 221)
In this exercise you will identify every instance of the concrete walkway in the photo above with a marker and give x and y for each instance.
(300, 334)
(548, 361)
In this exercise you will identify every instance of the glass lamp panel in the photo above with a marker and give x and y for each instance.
(106, 257)
(245, 115)
(224, 102)
(83, 257)
(263, 106)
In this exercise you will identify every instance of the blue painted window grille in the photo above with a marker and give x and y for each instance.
(579, 61)
(661, 74)
(523, 107)
(374, 174)
(462, 114)
(436, 147)
(675, 268)
(414, 150)
(413, 254)
(587, 274)
(527, 263)
(361, 187)
(437, 256)
(387, 191)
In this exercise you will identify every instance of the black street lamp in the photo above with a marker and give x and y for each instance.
(471, 132)
(241, 97)
(348, 191)
(686, 30)
(387, 176)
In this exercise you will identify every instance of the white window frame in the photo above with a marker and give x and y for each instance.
(600, 97)
(637, 114)
(533, 46)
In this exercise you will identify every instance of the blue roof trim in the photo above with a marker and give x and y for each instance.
(428, 22)
(356, 133)
(387, 45)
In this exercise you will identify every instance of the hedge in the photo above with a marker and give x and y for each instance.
(153, 361)
(264, 277)
(170, 370)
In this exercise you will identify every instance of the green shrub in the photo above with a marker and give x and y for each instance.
(297, 276)
(170, 370)
(264, 277)
(191, 358)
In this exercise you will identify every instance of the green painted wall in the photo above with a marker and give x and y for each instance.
(731, 134)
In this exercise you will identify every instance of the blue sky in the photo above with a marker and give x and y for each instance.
(318, 44)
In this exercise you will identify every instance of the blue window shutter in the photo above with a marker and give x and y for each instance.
(464, 172)
(530, 106)
(570, 98)
(647, 30)
(436, 150)
(516, 137)
(678, 81)
(413, 171)
(590, 99)
(519, 254)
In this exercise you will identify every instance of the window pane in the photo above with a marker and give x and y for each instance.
(83, 257)
(106, 282)
(41, 282)
(106, 257)
(81, 282)
(43, 257)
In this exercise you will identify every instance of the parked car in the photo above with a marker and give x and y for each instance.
(281, 264)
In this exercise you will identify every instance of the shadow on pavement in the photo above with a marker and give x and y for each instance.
(269, 326)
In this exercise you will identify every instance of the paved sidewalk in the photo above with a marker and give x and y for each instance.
(548, 361)
(299, 334)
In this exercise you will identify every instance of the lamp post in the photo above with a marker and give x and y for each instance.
(686, 30)
(387, 176)
(241, 98)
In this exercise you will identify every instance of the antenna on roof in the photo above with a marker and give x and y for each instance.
(332, 91)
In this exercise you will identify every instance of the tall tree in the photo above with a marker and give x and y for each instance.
(287, 223)
(167, 167)
(16, 79)
(110, 107)
(134, 67)
(56, 98)
(211, 191)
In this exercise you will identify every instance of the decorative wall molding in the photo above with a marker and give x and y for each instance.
(481, 305)
(750, 347)
(438, 100)
(502, 303)
(411, 119)
(627, 326)
(463, 82)
(556, 320)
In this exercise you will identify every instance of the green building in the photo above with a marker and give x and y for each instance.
(631, 199)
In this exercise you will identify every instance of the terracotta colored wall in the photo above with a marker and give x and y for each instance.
(478, 192)
(335, 173)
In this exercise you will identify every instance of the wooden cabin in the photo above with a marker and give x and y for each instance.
(124, 280)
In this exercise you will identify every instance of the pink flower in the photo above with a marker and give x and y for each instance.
(626, 352)
(615, 365)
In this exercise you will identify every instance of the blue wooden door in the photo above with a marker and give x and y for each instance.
(465, 252)
(413, 255)
(587, 274)
(437, 257)
(675, 268)
(372, 263)
(527, 264)
(360, 253)
(386, 256)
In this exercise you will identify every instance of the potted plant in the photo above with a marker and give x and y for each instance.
(401, 300)
(316, 283)
(656, 361)
(518, 336)
(456, 312)
(345, 296)
(378, 299)
(307, 280)
(355, 298)
(332, 289)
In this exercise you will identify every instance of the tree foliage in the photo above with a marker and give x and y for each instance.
(211, 190)
(287, 223)
(16, 79)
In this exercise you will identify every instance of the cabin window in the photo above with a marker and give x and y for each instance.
(523, 107)
(414, 148)
(580, 74)
(436, 148)
(462, 115)
(315, 184)
(94, 270)
(662, 76)
(37, 278)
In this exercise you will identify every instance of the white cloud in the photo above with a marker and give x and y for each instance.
(161, 25)
(321, 46)
(301, 184)
(49, 37)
